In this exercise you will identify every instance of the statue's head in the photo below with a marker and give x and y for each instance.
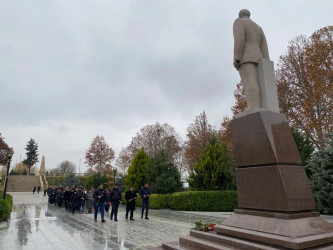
(244, 13)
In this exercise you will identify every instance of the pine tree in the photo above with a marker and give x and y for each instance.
(321, 181)
(32, 154)
(305, 147)
(214, 169)
(161, 174)
(136, 175)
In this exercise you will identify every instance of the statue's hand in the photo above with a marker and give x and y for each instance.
(236, 64)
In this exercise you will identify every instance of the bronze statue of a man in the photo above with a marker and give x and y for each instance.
(249, 47)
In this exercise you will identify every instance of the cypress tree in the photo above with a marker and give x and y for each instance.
(136, 175)
(214, 169)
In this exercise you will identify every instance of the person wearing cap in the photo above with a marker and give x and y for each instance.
(130, 197)
(99, 200)
(115, 200)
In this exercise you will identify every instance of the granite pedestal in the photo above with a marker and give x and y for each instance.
(274, 195)
(276, 204)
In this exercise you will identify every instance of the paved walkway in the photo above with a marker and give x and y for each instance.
(34, 225)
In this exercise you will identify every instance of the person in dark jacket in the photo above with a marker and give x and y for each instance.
(107, 201)
(60, 197)
(38, 189)
(34, 190)
(53, 195)
(67, 197)
(145, 193)
(115, 200)
(83, 200)
(99, 201)
(75, 201)
(130, 197)
(49, 191)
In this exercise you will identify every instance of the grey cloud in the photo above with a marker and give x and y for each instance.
(72, 69)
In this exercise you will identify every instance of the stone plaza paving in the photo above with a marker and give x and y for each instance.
(34, 225)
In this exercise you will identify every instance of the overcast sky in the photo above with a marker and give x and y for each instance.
(72, 69)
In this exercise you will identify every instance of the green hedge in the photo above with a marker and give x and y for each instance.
(159, 201)
(5, 206)
(225, 201)
(204, 201)
(58, 180)
(54, 180)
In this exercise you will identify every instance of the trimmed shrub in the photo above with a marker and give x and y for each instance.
(204, 201)
(159, 201)
(221, 201)
(54, 180)
(5, 206)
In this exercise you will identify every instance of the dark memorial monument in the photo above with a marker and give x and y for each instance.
(274, 195)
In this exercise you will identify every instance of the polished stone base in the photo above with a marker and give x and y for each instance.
(263, 138)
(288, 231)
(278, 188)
(262, 230)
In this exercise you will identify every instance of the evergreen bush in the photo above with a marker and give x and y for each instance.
(5, 206)
(214, 169)
(136, 175)
(222, 201)
(204, 201)
(321, 167)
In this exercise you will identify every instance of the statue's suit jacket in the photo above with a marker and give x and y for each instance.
(249, 41)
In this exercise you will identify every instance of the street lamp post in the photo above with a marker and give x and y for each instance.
(9, 155)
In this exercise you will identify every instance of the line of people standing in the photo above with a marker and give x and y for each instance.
(80, 198)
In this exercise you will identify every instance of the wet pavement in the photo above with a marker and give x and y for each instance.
(34, 225)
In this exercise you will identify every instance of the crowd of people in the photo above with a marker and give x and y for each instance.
(84, 200)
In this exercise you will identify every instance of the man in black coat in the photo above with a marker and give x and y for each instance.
(115, 200)
(130, 197)
(53, 195)
(49, 191)
(145, 193)
(60, 196)
(67, 197)
(99, 201)
(75, 201)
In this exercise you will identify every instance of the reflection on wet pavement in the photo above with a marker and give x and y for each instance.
(34, 225)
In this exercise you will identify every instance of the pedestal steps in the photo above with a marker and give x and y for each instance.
(214, 241)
